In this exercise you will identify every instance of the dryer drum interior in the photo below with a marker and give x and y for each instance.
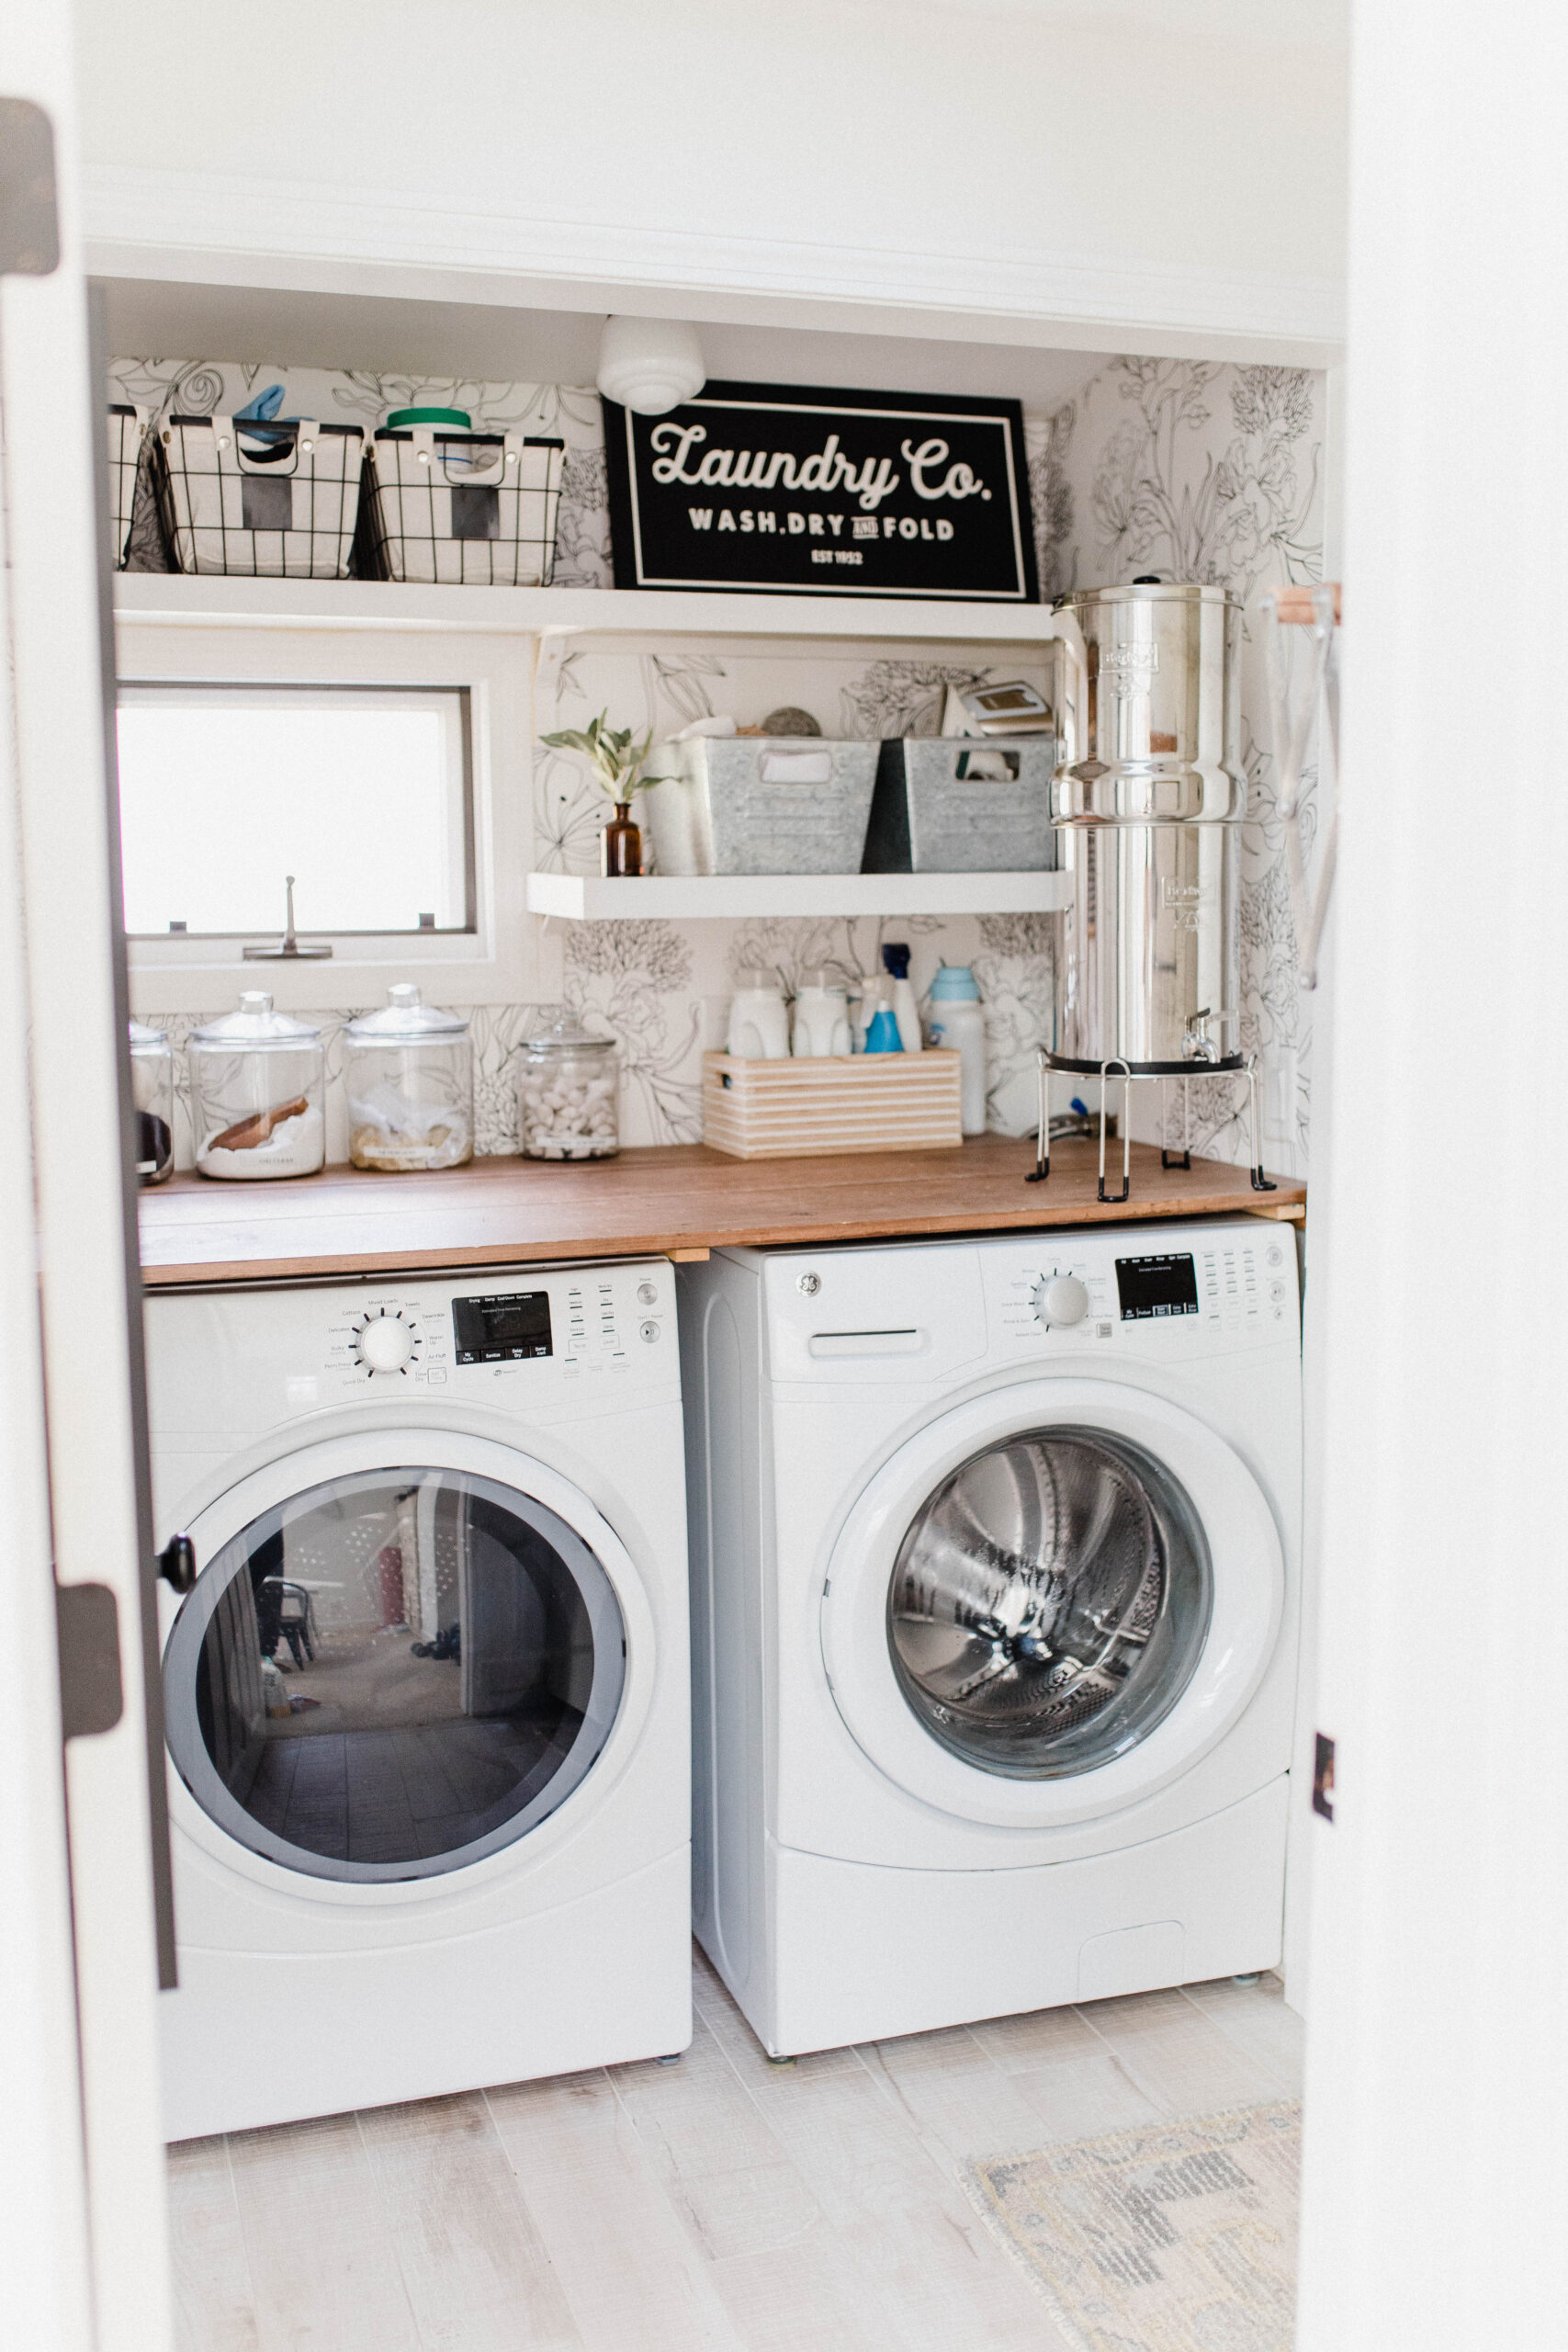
(393, 1673)
(1049, 1603)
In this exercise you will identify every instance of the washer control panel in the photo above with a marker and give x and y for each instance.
(1206, 1285)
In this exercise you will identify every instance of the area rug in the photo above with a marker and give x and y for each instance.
(1175, 2237)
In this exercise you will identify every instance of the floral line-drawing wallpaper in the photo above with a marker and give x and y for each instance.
(1184, 469)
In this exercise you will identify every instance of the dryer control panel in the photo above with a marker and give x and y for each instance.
(572, 1321)
(229, 1364)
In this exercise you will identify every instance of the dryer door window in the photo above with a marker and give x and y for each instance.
(393, 1673)
(1049, 1603)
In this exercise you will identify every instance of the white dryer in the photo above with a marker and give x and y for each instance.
(427, 1701)
(994, 1559)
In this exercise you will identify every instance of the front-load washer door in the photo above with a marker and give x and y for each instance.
(1051, 1602)
(388, 1673)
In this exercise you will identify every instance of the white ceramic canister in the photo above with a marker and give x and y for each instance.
(759, 1021)
(257, 1083)
(409, 1075)
(958, 1020)
(821, 1016)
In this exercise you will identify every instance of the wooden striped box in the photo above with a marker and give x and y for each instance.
(828, 1103)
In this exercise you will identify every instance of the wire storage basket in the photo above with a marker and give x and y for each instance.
(273, 501)
(458, 508)
(126, 432)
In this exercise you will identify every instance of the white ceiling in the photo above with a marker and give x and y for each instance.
(165, 319)
(1308, 24)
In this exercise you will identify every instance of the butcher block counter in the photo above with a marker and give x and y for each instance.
(678, 1201)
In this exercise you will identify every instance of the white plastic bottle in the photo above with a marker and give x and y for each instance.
(901, 996)
(958, 1020)
(821, 1016)
(759, 1021)
(872, 986)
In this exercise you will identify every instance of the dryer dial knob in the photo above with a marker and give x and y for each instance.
(385, 1344)
(1060, 1299)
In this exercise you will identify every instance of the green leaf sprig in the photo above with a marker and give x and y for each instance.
(617, 755)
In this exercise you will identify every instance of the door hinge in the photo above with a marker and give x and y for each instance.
(91, 1696)
(30, 222)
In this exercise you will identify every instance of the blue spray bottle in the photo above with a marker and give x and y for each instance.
(906, 1012)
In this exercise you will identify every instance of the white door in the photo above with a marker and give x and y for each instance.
(1051, 1602)
(82, 2218)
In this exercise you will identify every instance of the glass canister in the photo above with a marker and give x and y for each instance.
(409, 1073)
(153, 1101)
(567, 1081)
(257, 1085)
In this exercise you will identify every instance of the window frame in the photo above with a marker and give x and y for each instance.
(170, 692)
(494, 961)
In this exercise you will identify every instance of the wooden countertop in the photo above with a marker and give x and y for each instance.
(677, 1201)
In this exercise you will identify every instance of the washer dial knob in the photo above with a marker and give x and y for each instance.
(1060, 1299)
(386, 1344)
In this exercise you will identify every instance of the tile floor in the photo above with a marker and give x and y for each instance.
(722, 2205)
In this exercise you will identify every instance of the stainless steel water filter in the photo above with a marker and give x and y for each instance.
(1148, 797)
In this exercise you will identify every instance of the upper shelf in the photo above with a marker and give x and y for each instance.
(178, 597)
(679, 897)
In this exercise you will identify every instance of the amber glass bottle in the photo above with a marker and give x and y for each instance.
(620, 844)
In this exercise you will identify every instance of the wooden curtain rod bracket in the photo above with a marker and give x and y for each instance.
(1295, 604)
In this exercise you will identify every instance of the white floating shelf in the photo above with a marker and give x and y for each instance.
(179, 599)
(588, 898)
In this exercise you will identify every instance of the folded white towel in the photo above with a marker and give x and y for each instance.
(721, 725)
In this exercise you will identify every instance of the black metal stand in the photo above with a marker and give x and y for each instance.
(1046, 1063)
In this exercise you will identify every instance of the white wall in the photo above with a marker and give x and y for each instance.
(1055, 169)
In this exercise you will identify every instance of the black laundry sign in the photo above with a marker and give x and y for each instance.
(768, 487)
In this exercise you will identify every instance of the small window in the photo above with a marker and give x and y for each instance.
(363, 794)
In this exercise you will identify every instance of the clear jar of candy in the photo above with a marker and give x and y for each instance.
(410, 1074)
(152, 1102)
(257, 1083)
(568, 1084)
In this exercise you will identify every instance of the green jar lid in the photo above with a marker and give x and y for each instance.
(455, 416)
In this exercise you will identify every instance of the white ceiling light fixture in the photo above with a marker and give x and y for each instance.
(650, 364)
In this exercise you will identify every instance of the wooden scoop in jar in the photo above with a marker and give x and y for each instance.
(250, 1133)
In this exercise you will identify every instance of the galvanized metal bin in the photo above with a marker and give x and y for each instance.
(759, 804)
(953, 804)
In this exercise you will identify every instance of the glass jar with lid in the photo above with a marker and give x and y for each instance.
(567, 1085)
(153, 1101)
(410, 1072)
(257, 1085)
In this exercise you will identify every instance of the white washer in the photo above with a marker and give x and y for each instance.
(995, 1563)
(443, 1839)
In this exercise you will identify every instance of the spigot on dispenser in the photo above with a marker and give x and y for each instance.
(1197, 1045)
